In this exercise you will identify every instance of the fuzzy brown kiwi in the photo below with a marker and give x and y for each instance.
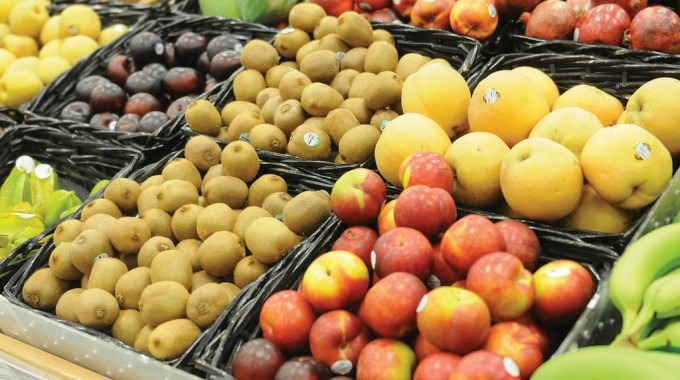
(123, 192)
(273, 76)
(43, 289)
(343, 81)
(231, 288)
(306, 211)
(142, 339)
(248, 270)
(235, 107)
(239, 159)
(291, 64)
(154, 180)
(274, 203)
(97, 308)
(268, 137)
(320, 66)
(126, 327)
(175, 193)
(381, 56)
(354, 59)
(130, 285)
(269, 108)
(327, 25)
(190, 249)
(203, 152)
(87, 246)
(383, 90)
(292, 84)
(259, 55)
(105, 273)
(148, 199)
(409, 63)
(128, 234)
(359, 109)
(358, 144)
(289, 40)
(245, 217)
(220, 253)
(151, 248)
(158, 222)
(310, 142)
(66, 306)
(162, 301)
(334, 43)
(382, 35)
(206, 303)
(269, 239)
(318, 99)
(247, 84)
(222, 136)
(212, 172)
(359, 85)
(263, 186)
(67, 230)
(171, 339)
(338, 122)
(305, 16)
(265, 95)
(172, 265)
(317, 121)
(60, 262)
(354, 29)
(202, 117)
(183, 222)
(289, 115)
(201, 278)
(215, 217)
(83, 281)
(181, 168)
(100, 206)
(129, 260)
(242, 124)
(381, 117)
(226, 189)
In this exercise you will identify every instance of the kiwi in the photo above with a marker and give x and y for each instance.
(248, 270)
(190, 249)
(227, 189)
(274, 203)
(220, 252)
(155, 179)
(318, 99)
(289, 40)
(320, 66)
(310, 142)
(306, 211)
(247, 84)
(181, 168)
(201, 278)
(359, 85)
(142, 339)
(86, 247)
(265, 95)
(259, 55)
(123, 192)
(343, 80)
(242, 124)
(60, 262)
(183, 222)
(382, 35)
(338, 122)
(354, 59)
(239, 159)
(231, 288)
(263, 186)
(334, 43)
(159, 222)
(289, 115)
(101, 222)
(105, 273)
(83, 281)
(383, 90)
(171, 339)
(128, 234)
(129, 260)
(317, 121)
(148, 198)
(215, 217)
(269, 108)
(381, 117)
(245, 217)
(235, 107)
(172, 265)
(273, 77)
(358, 144)
(100, 206)
(358, 107)
(97, 308)
(130, 285)
(292, 84)
(66, 306)
(175, 193)
(290, 64)
(163, 301)
(305, 16)
(268, 137)
(202, 117)
(67, 230)
(307, 48)
(327, 25)
(409, 63)
(43, 289)
(269, 239)
(381, 56)
(203, 152)
(206, 303)
(126, 327)
(354, 29)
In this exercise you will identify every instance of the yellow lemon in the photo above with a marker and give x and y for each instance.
(51, 48)
(4, 30)
(18, 87)
(24, 63)
(50, 30)
(5, 9)
(111, 33)
(79, 20)
(605, 106)
(51, 67)
(76, 47)
(6, 59)
(20, 46)
(27, 18)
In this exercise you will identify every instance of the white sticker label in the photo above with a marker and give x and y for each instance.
(311, 139)
(287, 30)
(43, 171)
(238, 48)
(341, 367)
(25, 163)
(559, 272)
(374, 258)
(492, 11)
(112, 125)
(99, 256)
(491, 96)
(511, 367)
(340, 55)
(72, 30)
(365, 7)
(642, 151)
(432, 282)
(383, 124)
(245, 136)
(576, 34)
(396, 2)
(422, 304)
(159, 48)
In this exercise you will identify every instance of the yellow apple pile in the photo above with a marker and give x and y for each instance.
(576, 159)
(35, 47)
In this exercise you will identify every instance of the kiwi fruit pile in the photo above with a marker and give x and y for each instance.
(155, 262)
(322, 91)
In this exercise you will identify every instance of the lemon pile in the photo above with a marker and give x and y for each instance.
(36, 47)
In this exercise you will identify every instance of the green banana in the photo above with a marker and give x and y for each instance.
(664, 338)
(651, 256)
(661, 300)
(43, 181)
(17, 187)
(58, 202)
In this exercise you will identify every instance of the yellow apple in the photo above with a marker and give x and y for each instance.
(569, 126)
(595, 214)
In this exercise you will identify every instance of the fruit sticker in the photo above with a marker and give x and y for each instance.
(492, 11)
(43, 171)
(286, 30)
(25, 163)
(642, 151)
(99, 256)
(510, 366)
(432, 282)
(342, 367)
(491, 96)
(245, 136)
(312, 139)
(422, 304)
(576, 34)
(159, 48)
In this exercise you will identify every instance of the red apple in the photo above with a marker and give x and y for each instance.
(337, 338)
(474, 18)
(426, 168)
(386, 359)
(432, 14)
(389, 307)
(563, 290)
(303, 368)
(521, 241)
(334, 7)
(468, 239)
(426, 209)
(547, 338)
(403, 7)
(257, 359)
(423, 348)
(441, 269)
(437, 366)
(501, 280)
(454, 319)
(402, 249)
(286, 319)
(358, 240)
(518, 342)
(372, 5)
(386, 217)
(485, 365)
(335, 280)
(357, 196)
(386, 15)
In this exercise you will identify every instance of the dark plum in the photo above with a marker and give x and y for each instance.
(203, 63)
(129, 122)
(224, 64)
(142, 81)
(221, 43)
(181, 81)
(178, 106)
(156, 69)
(170, 57)
(146, 47)
(84, 86)
(105, 120)
(119, 68)
(257, 359)
(76, 111)
(142, 103)
(303, 367)
(107, 96)
(152, 121)
(189, 46)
